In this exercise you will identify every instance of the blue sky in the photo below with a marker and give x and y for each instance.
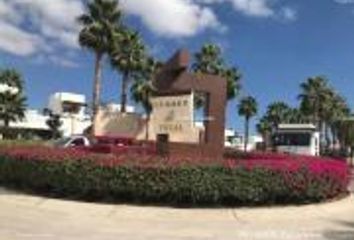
(276, 44)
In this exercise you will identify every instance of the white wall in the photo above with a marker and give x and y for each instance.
(56, 101)
(115, 108)
(33, 120)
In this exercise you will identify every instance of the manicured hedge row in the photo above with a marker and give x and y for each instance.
(183, 185)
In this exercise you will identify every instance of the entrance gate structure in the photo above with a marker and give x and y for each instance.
(173, 79)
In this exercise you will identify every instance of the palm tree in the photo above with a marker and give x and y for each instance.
(314, 96)
(277, 113)
(345, 132)
(294, 115)
(264, 127)
(337, 110)
(12, 100)
(11, 78)
(248, 108)
(127, 56)
(233, 78)
(98, 22)
(143, 88)
(209, 61)
(327, 114)
(318, 100)
(13, 107)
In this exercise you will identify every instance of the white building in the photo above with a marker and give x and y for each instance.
(233, 140)
(66, 104)
(70, 107)
(113, 107)
(301, 139)
(253, 142)
(34, 120)
(230, 135)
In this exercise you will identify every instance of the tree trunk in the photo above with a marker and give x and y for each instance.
(264, 145)
(266, 140)
(328, 139)
(6, 129)
(316, 114)
(320, 129)
(334, 137)
(246, 133)
(6, 123)
(124, 87)
(147, 127)
(96, 90)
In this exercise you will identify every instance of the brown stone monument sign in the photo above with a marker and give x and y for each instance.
(174, 79)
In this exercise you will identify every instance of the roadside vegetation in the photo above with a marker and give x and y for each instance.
(253, 179)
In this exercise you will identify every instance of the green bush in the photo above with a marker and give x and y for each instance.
(186, 186)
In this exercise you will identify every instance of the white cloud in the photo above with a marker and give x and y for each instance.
(55, 20)
(186, 18)
(64, 62)
(16, 41)
(288, 14)
(8, 13)
(344, 1)
(259, 8)
(29, 27)
(173, 17)
(255, 8)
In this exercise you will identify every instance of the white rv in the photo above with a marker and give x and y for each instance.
(301, 139)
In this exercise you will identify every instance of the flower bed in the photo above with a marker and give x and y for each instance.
(150, 179)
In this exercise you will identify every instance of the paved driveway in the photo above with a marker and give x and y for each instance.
(25, 217)
(351, 185)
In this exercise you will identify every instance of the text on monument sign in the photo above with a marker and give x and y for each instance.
(173, 114)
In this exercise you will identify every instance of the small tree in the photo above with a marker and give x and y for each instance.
(248, 108)
(143, 88)
(264, 127)
(127, 55)
(54, 123)
(209, 60)
(345, 130)
(12, 100)
(277, 113)
(98, 21)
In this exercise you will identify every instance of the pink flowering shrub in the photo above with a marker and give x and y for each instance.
(104, 156)
(301, 173)
(257, 178)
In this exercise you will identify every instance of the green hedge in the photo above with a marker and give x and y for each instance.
(187, 186)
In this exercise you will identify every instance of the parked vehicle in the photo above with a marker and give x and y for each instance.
(107, 145)
(73, 141)
(115, 141)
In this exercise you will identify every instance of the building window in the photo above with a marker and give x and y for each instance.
(78, 142)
